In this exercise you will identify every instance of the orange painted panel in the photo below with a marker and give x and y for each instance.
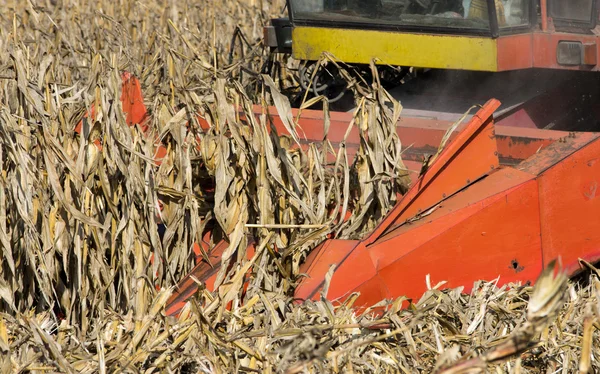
(469, 156)
(451, 211)
(518, 149)
(538, 50)
(515, 52)
(318, 262)
(570, 208)
(545, 45)
(466, 232)
(421, 136)
(473, 162)
(371, 292)
(132, 101)
(529, 133)
(519, 117)
(387, 250)
(203, 272)
(556, 152)
(500, 239)
(351, 274)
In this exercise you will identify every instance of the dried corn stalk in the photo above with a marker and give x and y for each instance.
(93, 238)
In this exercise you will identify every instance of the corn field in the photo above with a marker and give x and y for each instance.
(98, 225)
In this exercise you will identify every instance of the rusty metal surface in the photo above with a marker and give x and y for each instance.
(556, 152)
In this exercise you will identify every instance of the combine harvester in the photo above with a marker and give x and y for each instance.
(514, 188)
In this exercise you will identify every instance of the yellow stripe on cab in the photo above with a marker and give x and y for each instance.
(396, 48)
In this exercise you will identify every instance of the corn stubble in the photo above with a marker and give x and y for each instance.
(86, 275)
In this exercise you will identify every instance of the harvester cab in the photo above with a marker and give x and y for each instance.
(521, 52)
(480, 35)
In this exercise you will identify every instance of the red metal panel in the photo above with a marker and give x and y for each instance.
(371, 292)
(516, 149)
(353, 272)
(590, 53)
(499, 237)
(570, 208)
(519, 118)
(132, 101)
(545, 45)
(363, 263)
(318, 262)
(491, 228)
(420, 137)
(485, 191)
(202, 272)
(556, 152)
(529, 134)
(538, 50)
(471, 155)
(515, 52)
(474, 161)
(514, 144)
(414, 167)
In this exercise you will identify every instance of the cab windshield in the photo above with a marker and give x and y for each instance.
(467, 15)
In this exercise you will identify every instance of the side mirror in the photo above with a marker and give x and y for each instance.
(278, 35)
